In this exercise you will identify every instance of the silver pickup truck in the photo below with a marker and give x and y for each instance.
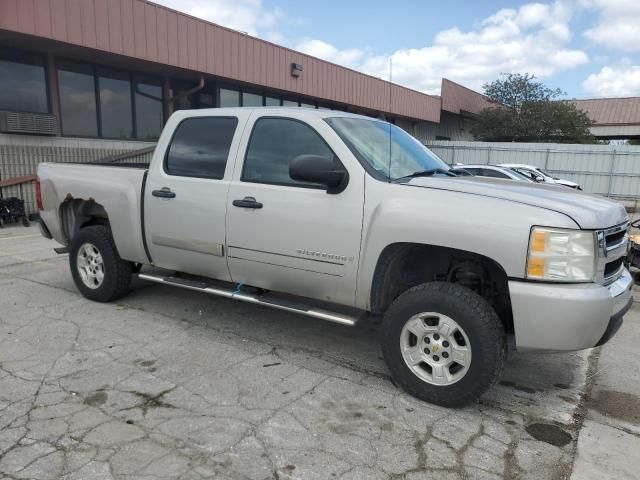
(344, 218)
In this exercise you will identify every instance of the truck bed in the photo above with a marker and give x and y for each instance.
(116, 187)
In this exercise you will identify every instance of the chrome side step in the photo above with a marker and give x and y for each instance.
(258, 299)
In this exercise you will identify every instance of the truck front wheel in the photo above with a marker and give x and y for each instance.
(443, 343)
(97, 269)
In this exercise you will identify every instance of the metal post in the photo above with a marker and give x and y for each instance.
(453, 155)
(489, 156)
(546, 158)
(611, 169)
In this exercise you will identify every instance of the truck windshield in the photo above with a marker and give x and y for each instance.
(386, 151)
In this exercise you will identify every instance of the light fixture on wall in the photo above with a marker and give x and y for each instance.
(296, 69)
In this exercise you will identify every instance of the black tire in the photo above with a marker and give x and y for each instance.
(117, 272)
(474, 315)
(25, 221)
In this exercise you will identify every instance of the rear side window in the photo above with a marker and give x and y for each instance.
(200, 147)
(274, 143)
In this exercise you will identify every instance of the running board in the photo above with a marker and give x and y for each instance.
(258, 299)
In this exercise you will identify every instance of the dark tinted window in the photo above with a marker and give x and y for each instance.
(272, 101)
(77, 99)
(200, 147)
(251, 100)
(274, 143)
(22, 82)
(229, 98)
(148, 98)
(115, 104)
(487, 172)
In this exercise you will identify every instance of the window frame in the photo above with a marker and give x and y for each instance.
(17, 52)
(140, 78)
(165, 158)
(129, 75)
(283, 184)
(63, 60)
(244, 92)
(134, 77)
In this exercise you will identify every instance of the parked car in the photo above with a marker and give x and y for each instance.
(537, 174)
(343, 218)
(493, 171)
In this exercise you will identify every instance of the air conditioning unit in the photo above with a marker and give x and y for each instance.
(27, 122)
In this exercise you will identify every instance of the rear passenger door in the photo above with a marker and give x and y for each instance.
(186, 192)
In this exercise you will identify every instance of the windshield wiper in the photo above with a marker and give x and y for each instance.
(426, 173)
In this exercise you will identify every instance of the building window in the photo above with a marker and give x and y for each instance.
(148, 105)
(274, 143)
(77, 99)
(23, 85)
(206, 100)
(102, 102)
(272, 101)
(290, 103)
(229, 98)
(307, 105)
(251, 100)
(116, 110)
(200, 147)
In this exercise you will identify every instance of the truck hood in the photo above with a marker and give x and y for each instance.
(588, 211)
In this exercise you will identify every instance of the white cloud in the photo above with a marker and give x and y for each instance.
(618, 25)
(248, 16)
(350, 57)
(617, 81)
(533, 38)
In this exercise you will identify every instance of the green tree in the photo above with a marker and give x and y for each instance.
(526, 110)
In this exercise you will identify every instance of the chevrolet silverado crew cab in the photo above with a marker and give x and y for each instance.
(342, 218)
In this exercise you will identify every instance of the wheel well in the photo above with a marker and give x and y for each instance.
(77, 213)
(405, 265)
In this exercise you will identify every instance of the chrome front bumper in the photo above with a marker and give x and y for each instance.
(557, 317)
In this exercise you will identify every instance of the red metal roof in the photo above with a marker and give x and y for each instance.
(143, 30)
(611, 111)
(457, 98)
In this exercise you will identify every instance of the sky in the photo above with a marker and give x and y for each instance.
(587, 48)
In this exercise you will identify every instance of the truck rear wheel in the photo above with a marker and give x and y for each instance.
(97, 269)
(443, 343)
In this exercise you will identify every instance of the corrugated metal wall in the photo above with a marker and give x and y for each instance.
(612, 170)
(146, 31)
(20, 155)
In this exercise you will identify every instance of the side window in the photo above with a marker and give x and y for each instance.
(493, 173)
(274, 143)
(200, 147)
(526, 173)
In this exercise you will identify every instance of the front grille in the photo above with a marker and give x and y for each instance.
(612, 268)
(615, 238)
(612, 249)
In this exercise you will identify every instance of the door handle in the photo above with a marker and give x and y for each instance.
(247, 202)
(164, 192)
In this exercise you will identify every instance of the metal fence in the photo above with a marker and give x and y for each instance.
(20, 155)
(611, 170)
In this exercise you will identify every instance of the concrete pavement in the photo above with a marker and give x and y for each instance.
(169, 383)
(609, 441)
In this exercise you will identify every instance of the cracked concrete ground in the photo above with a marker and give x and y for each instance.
(170, 383)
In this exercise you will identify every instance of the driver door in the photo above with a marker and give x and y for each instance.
(289, 236)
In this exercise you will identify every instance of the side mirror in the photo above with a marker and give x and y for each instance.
(539, 178)
(318, 169)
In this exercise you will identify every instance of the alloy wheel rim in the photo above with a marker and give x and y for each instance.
(90, 265)
(435, 348)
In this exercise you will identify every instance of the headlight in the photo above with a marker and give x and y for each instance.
(561, 255)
